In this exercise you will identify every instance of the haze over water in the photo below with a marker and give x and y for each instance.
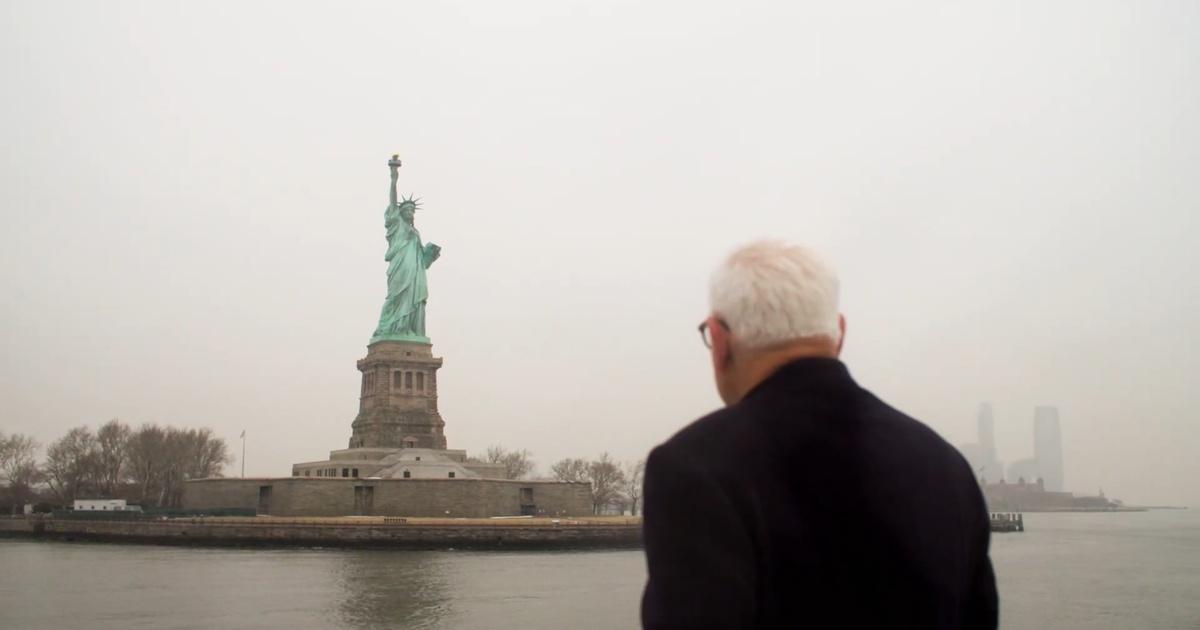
(1068, 571)
(191, 199)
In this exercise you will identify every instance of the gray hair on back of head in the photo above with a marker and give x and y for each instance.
(769, 292)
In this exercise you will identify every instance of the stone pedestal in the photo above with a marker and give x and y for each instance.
(398, 405)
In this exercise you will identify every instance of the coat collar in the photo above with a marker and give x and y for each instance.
(805, 374)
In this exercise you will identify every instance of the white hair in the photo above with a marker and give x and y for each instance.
(769, 292)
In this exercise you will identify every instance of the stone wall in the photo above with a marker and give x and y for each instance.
(258, 531)
(309, 496)
(240, 493)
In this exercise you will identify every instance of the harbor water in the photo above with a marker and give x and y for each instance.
(1068, 571)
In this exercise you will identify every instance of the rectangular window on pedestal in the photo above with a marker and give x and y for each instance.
(420, 381)
(408, 380)
(396, 380)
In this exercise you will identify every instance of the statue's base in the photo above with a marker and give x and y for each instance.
(398, 404)
(402, 338)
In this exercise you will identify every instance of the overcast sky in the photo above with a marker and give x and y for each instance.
(191, 201)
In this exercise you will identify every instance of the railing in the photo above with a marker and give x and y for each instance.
(242, 517)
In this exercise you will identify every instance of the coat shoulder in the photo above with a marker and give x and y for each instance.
(711, 438)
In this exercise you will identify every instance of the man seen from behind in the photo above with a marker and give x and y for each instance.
(806, 502)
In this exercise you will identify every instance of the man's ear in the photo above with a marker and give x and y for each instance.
(841, 337)
(722, 354)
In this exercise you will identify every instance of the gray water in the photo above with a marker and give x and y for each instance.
(1072, 571)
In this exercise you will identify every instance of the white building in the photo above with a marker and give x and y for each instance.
(105, 505)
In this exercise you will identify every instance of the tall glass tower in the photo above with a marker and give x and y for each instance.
(1047, 447)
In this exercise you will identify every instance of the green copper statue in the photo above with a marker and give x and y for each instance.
(403, 314)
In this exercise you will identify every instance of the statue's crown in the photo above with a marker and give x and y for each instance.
(409, 200)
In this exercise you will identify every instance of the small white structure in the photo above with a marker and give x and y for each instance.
(399, 463)
(105, 505)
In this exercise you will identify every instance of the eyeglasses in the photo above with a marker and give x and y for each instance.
(705, 335)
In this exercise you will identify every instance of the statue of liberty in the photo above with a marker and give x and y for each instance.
(403, 314)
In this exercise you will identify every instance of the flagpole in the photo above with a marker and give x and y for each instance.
(243, 453)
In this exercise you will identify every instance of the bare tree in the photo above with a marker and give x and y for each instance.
(516, 463)
(632, 487)
(18, 466)
(71, 463)
(174, 467)
(607, 479)
(113, 441)
(207, 455)
(494, 454)
(178, 445)
(193, 454)
(146, 458)
(570, 469)
(159, 461)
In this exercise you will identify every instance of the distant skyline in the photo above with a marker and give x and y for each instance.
(1044, 462)
(192, 196)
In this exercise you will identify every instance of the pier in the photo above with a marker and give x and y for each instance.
(1007, 521)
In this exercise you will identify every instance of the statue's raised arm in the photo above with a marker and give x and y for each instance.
(394, 164)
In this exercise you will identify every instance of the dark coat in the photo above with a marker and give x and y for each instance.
(813, 504)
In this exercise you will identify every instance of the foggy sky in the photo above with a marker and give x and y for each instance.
(192, 196)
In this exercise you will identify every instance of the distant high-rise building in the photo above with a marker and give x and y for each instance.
(982, 454)
(992, 468)
(1047, 447)
(987, 433)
